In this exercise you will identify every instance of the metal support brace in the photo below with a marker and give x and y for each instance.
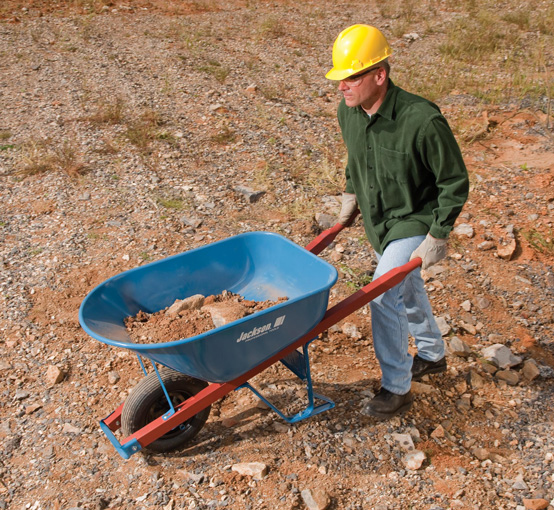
(299, 364)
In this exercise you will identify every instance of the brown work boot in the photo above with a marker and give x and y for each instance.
(386, 405)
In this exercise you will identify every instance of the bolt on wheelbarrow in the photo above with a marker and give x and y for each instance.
(168, 407)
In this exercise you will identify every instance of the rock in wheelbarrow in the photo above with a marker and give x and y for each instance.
(191, 303)
(225, 312)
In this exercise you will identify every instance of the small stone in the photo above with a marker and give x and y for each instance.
(54, 375)
(280, 427)
(535, 504)
(466, 305)
(486, 245)
(251, 88)
(113, 377)
(21, 394)
(469, 328)
(250, 194)
(530, 370)
(191, 221)
(520, 485)
(192, 477)
(483, 303)
(444, 327)
(475, 380)
(70, 429)
(256, 470)
(351, 330)
(420, 388)
(414, 460)
(507, 252)
(464, 229)
(405, 441)
(458, 347)
(32, 408)
(511, 377)
(438, 433)
(316, 499)
(481, 453)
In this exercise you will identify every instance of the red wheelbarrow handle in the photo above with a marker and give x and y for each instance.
(328, 236)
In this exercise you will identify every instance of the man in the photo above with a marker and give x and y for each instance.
(406, 174)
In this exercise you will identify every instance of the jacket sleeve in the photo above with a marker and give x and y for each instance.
(442, 156)
(340, 116)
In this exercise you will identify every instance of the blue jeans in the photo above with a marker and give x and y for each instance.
(401, 310)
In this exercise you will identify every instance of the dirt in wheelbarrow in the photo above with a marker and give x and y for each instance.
(193, 316)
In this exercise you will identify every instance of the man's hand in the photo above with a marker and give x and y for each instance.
(349, 205)
(431, 250)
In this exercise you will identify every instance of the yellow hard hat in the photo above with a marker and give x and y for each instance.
(357, 48)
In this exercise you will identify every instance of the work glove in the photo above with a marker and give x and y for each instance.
(349, 205)
(431, 250)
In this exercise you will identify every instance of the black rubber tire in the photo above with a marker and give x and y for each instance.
(147, 401)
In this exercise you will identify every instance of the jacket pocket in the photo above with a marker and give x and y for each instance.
(395, 165)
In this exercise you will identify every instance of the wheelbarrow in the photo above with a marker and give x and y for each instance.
(170, 405)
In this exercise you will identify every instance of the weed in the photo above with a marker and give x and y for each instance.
(38, 157)
(271, 27)
(6, 147)
(108, 113)
(35, 158)
(225, 136)
(357, 278)
(171, 203)
(67, 159)
(4, 135)
(215, 69)
(539, 242)
(140, 132)
(145, 256)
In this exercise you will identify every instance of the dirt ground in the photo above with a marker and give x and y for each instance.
(133, 131)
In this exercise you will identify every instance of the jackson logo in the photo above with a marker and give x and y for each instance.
(246, 336)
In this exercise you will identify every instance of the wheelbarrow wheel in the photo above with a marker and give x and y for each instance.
(147, 401)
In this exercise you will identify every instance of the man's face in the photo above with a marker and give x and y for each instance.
(364, 88)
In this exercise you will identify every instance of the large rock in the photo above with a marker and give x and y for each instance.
(501, 356)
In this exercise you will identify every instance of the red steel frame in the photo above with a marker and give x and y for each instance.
(213, 392)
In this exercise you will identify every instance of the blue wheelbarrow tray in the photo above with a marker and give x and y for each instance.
(258, 265)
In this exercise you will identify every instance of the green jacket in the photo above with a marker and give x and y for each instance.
(405, 167)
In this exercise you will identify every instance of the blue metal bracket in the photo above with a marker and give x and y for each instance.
(171, 411)
(125, 450)
(299, 364)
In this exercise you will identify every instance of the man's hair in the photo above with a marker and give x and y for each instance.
(385, 65)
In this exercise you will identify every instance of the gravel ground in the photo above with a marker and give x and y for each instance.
(131, 133)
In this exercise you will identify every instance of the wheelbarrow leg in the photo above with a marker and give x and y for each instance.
(299, 364)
